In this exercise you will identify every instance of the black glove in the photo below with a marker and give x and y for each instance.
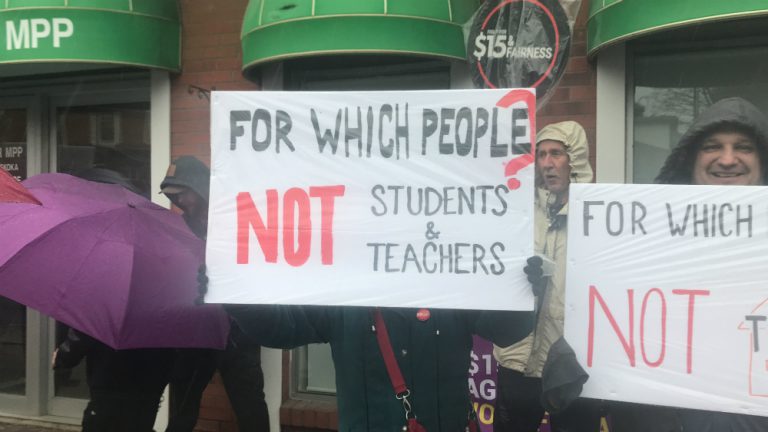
(536, 275)
(562, 379)
(202, 285)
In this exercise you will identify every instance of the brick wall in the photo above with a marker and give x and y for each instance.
(575, 97)
(211, 59)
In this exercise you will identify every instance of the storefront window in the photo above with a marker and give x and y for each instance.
(67, 125)
(13, 334)
(671, 88)
(13, 142)
(113, 136)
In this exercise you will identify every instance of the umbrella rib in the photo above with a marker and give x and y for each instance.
(83, 273)
(60, 293)
(124, 315)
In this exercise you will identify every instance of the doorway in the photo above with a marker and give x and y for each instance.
(63, 125)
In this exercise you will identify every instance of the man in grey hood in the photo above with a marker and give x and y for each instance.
(732, 118)
(726, 145)
(562, 158)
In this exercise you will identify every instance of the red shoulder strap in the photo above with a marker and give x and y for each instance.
(382, 336)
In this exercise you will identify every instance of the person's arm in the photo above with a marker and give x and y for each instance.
(72, 351)
(503, 328)
(284, 327)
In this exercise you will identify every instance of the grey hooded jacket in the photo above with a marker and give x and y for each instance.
(732, 113)
(550, 234)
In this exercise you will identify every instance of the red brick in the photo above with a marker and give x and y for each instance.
(208, 412)
(579, 48)
(232, 63)
(191, 115)
(200, 65)
(334, 421)
(309, 418)
(577, 79)
(584, 120)
(285, 415)
(229, 427)
(207, 426)
(578, 64)
(583, 93)
(560, 94)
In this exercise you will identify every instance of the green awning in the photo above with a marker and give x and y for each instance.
(283, 29)
(143, 33)
(613, 21)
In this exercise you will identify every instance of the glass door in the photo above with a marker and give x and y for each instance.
(13, 316)
(66, 126)
(99, 130)
(19, 327)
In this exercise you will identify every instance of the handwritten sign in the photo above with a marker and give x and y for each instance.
(482, 382)
(666, 297)
(372, 198)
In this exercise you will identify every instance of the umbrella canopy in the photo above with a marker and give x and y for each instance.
(107, 262)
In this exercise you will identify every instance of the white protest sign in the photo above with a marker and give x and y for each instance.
(666, 297)
(372, 198)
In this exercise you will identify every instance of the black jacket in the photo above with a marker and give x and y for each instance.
(433, 356)
(119, 374)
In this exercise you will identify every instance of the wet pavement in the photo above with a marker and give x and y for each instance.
(10, 427)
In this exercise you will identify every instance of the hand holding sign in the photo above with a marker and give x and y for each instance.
(662, 289)
(372, 198)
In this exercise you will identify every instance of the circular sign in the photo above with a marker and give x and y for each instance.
(519, 44)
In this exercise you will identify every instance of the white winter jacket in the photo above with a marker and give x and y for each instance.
(550, 235)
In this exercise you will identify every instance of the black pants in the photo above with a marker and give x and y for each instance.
(120, 415)
(240, 369)
(518, 407)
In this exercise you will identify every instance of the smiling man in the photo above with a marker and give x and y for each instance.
(726, 145)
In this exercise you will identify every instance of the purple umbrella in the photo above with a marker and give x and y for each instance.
(107, 262)
(12, 191)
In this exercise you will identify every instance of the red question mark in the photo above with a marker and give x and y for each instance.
(520, 162)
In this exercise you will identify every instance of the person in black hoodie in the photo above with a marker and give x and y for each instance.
(125, 386)
(726, 145)
(186, 184)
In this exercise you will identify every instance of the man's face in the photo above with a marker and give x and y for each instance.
(190, 203)
(727, 158)
(552, 161)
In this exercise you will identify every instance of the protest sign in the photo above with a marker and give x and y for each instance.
(372, 198)
(665, 298)
(482, 382)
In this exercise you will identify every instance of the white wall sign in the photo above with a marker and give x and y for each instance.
(666, 297)
(372, 198)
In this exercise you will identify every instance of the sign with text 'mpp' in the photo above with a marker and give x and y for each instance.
(372, 198)
(666, 297)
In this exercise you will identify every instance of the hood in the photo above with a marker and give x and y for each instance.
(734, 113)
(572, 135)
(187, 172)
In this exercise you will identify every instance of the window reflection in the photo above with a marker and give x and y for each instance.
(671, 89)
